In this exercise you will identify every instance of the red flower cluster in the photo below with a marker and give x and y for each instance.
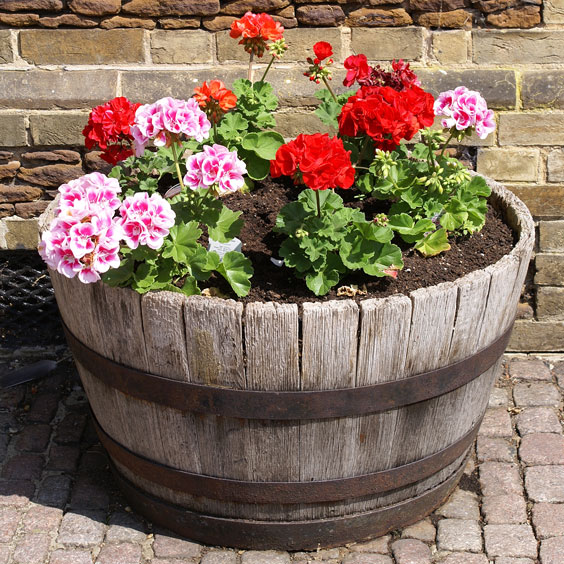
(255, 30)
(386, 115)
(109, 128)
(318, 161)
(316, 71)
(322, 50)
(215, 99)
(399, 78)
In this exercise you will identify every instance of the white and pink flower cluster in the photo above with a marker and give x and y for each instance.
(168, 115)
(84, 238)
(216, 166)
(463, 109)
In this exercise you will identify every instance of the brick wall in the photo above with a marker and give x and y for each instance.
(50, 78)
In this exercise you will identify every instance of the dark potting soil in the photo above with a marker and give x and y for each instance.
(278, 284)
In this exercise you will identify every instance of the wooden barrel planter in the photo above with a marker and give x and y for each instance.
(267, 426)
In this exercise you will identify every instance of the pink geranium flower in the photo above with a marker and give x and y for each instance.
(216, 167)
(464, 109)
(168, 116)
(145, 220)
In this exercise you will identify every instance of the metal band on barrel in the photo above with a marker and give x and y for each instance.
(286, 405)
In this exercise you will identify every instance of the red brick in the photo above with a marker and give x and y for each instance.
(538, 420)
(496, 423)
(496, 449)
(497, 478)
(533, 394)
(505, 509)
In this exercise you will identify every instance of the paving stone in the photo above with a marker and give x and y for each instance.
(71, 557)
(461, 505)
(538, 420)
(499, 397)
(123, 553)
(465, 558)
(411, 551)
(532, 369)
(63, 458)
(82, 529)
(32, 549)
(379, 545)
(510, 540)
(499, 478)
(363, 558)
(505, 509)
(459, 535)
(15, 492)
(54, 491)
(548, 520)
(70, 429)
(545, 483)
(509, 560)
(89, 495)
(124, 527)
(541, 393)
(5, 551)
(173, 547)
(538, 449)
(497, 449)
(219, 557)
(496, 423)
(41, 519)
(9, 519)
(23, 467)
(552, 550)
(423, 530)
(33, 438)
(45, 406)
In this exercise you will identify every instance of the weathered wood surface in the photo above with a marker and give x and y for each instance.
(218, 342)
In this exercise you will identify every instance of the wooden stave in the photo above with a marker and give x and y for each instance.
(514, 261)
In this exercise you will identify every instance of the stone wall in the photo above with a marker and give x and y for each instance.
(51, 78)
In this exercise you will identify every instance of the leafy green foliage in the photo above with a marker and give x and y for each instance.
(328, 111)
(433, 194)
(324, 247)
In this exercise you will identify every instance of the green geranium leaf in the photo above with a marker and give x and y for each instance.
(478, 187)
(257, 167)
(227, 226)
(232, 126)
(121, 274)
(455, 215)
(190, 287)
(237, 270)
(434, 243)
(263, 144)
(388, 258)
(294, 256)
(291, 217)
(183, 241)
(328, 200)
(321, 282)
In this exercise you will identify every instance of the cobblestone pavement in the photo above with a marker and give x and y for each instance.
(59, 504)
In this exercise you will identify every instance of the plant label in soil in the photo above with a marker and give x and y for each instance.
(222, 248)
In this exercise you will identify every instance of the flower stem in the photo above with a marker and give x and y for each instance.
(330, 89)
(363, 149)
(446, 143)
(214, 131)
(250, 71)
(267, 68)
(177, 164)
(431, 156)
(318, 203)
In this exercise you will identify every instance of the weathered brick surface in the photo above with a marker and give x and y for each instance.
(498, 478)
(531, 129)
(544, 202)
(178, 47)
(465, 558)
(550, 303)
(95, 7)
(550, 269)
(422, 530)
(461, 505)
(360, 558)
(40, 89)
(67, 20)
(456, 19)
(517, 47)
(321, 15)
(19, 193)
(124, 553)
(495, 449)
(32, 548)
(82, 47)
(374, 17)
(496, 423)
(9, 519)
(541, 449)
(497, 86)
(119, 21)
(41, 519)
(379, 545)
(171, 547)
(450, 47)
(509, 164)
(406, 551)
(6, 51)
(86, 529)
(530, 369)
(551, 236)
(388, 44)
(219, 557)
(265, 557)
(39, 5)
(71, 556)
(542, 89)
(524, 17)
(12, 129)
(171, 7)
(553, 12)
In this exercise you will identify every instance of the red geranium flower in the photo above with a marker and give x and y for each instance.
(109, 128)
(358, 69)
(318, 161)
(386, 115)
(215, 99)
(322, 50)
(255, 30)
